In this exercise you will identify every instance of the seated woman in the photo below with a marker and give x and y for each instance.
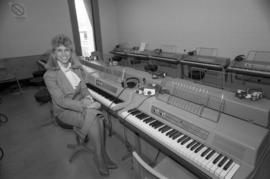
(72, 102)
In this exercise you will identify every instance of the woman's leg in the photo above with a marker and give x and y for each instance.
(95, 133)
(90, 126)
(110, 164)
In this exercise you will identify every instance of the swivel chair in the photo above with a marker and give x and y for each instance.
(80, 145)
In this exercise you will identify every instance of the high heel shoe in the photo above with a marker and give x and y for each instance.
(111, 165)
(103, 172)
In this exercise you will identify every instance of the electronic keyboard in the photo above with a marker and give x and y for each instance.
(217, 144)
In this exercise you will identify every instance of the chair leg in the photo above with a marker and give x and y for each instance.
(79, 147)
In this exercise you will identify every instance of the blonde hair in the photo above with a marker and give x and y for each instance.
(58, 40)
(61, 39)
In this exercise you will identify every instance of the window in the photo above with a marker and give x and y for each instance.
(84, 15)
(85, 29)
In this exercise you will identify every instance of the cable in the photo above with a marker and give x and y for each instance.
(117, 96)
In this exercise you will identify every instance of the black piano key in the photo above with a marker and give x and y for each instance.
(191, 144)
(168, 133)
(199, 148)
(163, 128)
(166, 129)
(228, 165)
(176, 135)
(221, 163)
(104, 94)
(182, 138)
(173, 133)
(131, 110)
(210, 154)
(141, 116)
(195, 146)
(217, 159)
(185, 141)
(205, 152)
(158, 124)
(148, 120)
(153, 123)
(135, 112)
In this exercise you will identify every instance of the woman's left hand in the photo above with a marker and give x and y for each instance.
(94, 105)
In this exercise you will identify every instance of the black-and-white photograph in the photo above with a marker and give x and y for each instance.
(134, 89)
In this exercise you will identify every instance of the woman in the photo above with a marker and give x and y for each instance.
(72, 102)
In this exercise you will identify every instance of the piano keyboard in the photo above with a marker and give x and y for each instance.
(103, 97)
(211, 161)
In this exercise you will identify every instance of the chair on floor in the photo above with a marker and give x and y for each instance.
(7, 76)
(165, 169)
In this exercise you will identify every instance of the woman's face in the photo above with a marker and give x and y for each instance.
(63, 54)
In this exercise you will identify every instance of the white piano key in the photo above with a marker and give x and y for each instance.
(220, 169)
(210, 164)
(225, 172)
(204, 162)
(198, 157)
(193, 154)
(213, 169)
(232, 171)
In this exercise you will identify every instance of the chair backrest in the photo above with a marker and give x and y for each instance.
(143, 170)
(206, 51)
(258, 55)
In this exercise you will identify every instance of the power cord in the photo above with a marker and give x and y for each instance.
(117, 97)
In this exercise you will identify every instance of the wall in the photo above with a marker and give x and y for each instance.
(234, 27)
(32, 35)
(108, 25)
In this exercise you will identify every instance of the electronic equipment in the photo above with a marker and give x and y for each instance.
(252, 94)
(131, 82)
(209, 62)
(253, 68)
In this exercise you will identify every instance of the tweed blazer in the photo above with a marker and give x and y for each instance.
(64, 97)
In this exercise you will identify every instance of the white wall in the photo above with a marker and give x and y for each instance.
(232, 26)
(31, 36)
(108, 25)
